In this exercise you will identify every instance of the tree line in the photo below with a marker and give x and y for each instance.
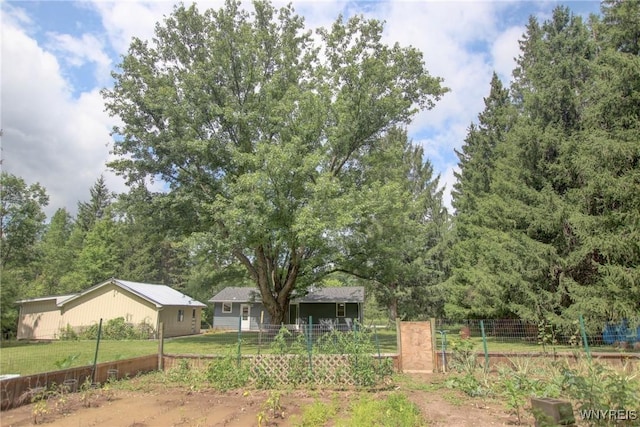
(287, 163)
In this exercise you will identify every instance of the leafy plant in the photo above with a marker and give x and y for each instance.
(226, 373)
(316, 415)
(596, 387)
(463, 356)
(393, 411)
(67, 362)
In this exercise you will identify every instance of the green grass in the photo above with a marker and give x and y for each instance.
(32, 358)
(24, 358)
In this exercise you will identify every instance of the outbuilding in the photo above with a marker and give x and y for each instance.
(140, 304)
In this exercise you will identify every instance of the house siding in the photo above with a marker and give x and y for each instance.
(39, 320)
(188, 326)
(320, 311)
(232, 320)
(109, 302)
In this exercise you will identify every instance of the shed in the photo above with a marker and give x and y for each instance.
(138, 303)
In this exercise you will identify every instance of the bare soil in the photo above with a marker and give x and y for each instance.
(164, 406)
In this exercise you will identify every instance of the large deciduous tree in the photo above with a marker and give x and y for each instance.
(261, 131)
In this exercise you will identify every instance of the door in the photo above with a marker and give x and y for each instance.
(294, 313)
(245, 317)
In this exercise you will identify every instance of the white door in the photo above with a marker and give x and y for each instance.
(245, 317)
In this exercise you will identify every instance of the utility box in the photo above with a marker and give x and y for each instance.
(552, 412)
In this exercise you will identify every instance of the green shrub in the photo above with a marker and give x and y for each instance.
(226, 373)
(596, 387)
(393, 411)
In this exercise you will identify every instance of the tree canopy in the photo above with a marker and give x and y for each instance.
(262, 130)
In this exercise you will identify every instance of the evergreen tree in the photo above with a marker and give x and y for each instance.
(96, 208)
(57, 255)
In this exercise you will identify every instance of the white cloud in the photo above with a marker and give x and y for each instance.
(48, 136)
(505, 50)
(77, 51)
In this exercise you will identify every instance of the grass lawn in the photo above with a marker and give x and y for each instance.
(17, 357)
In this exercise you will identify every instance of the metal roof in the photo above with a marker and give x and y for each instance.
(160, 295)
(59, 299)
(332, 294)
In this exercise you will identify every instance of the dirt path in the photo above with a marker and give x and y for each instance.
(168, 407)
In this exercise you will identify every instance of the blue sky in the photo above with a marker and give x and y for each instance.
(57, 55)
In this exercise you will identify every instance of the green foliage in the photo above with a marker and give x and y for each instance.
(546, 224)
(67, 362)
(114, 329)
(464, 356)
(21, 227)
(395, 410)
(264, 142)
(315, 415)
(595, 386)
(227, 372)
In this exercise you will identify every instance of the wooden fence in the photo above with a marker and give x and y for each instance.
(20, 390)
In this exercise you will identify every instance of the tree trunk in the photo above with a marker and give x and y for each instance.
(393, 309)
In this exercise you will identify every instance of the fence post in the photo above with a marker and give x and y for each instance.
(584, 337)
(239, 338)
(484, 346)
(375, 333)
(95, 358)
(399, 344)
(434, 344)
(310, 342)
(161, 347)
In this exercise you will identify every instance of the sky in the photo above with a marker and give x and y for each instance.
(57, 55)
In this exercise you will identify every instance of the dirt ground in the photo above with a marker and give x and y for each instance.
(171, 406)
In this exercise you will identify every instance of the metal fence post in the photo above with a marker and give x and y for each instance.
(484, 346)
(584, 337)
(95, 358)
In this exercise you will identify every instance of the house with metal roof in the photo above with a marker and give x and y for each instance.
(140, 304)
(241, 307)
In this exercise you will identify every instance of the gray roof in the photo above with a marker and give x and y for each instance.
(332, 294)
(160, 295)
(237, 294)
(340, 294)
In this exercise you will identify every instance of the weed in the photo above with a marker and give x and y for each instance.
(225, 373)
(393, 411)
(39, 410)
(316, 415)
(601, 388)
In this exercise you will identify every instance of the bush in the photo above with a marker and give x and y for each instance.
(114, 329)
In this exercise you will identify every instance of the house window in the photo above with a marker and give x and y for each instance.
(226, 307)
(341, 309)
(180, 315)
(193, 314)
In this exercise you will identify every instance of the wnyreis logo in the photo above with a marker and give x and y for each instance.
(608, 415)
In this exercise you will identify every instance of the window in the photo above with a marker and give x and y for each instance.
(180, 315)
(341, 309)
(226, 307)
(193, 314)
